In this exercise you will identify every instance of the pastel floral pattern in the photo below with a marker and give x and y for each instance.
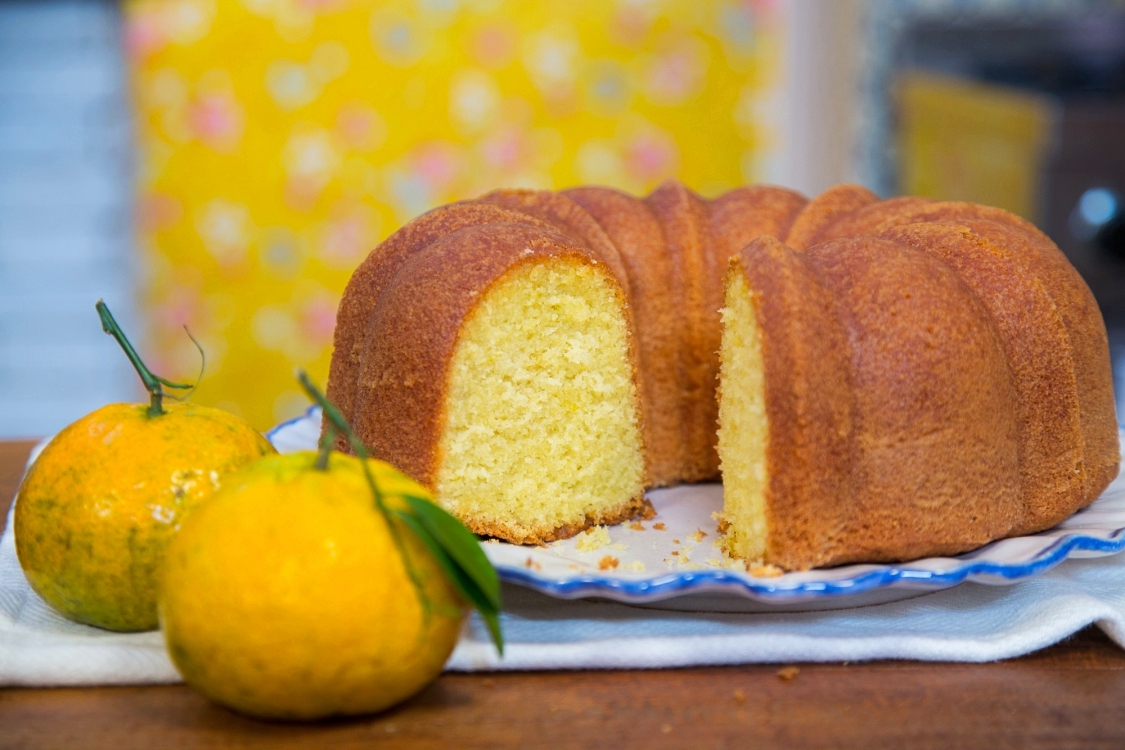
(280, 140)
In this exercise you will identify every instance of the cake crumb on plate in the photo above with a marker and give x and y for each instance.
(592, 539)
(608, 562)
(764, 571)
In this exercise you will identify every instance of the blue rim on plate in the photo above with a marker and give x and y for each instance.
(677, 583)
(1000, 562)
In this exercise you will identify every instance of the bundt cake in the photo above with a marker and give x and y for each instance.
(899, 378)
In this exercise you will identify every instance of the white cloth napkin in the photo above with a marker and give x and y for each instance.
(971, 622)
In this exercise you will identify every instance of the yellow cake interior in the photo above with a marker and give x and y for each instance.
(743, 424)
(542, 426)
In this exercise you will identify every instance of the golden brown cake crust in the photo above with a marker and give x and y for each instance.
(1039, 257)
(744, 214)
(871, 219)
(1089, 344)
(566, 215)
(1038, 352)
(937, 469)
(825, 209)
(1079, 312)
(695, 270)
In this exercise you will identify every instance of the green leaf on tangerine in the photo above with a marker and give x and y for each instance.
(461, 545)
(458, 578)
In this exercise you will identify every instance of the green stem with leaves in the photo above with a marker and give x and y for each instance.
(154, 384)
(452, 546)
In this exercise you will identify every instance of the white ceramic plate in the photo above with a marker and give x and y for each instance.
(678, 566)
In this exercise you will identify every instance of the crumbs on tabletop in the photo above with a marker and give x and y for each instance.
(739, 696)
(788, 673)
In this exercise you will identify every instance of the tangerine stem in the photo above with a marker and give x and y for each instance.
(153, 383)
(325, 447)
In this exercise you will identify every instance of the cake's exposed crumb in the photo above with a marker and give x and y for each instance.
(491, 541)
(637, 526)
(592, 539)
(759, 570)
(635, 567)
(659, 526)
(542, 425)
(788, 673)
(649, 512)
(608, 563)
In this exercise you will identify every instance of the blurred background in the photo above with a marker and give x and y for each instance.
(225, 164)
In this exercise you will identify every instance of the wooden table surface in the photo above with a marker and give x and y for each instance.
(1069, 696)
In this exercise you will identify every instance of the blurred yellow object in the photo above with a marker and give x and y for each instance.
(286, 597)
(968, 141)
(280, 140)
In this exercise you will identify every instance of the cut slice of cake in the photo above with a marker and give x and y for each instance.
(785, 420)
(542, 434)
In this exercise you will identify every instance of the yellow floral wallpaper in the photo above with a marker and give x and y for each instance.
(280, 140)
